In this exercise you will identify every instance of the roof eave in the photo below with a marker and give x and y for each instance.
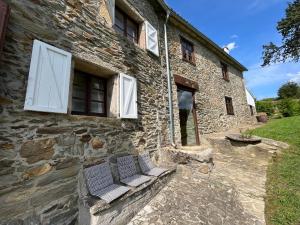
(217, 49)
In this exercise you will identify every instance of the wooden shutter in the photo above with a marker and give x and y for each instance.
(128, 97)
(111, 10)
(49, 79)
(4, 13)
(151, 38)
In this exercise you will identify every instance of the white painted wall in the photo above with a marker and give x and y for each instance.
(250, 99)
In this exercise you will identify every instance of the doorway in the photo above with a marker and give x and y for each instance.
(187, 116)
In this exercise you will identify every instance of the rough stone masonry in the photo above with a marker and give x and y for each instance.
(42, 153)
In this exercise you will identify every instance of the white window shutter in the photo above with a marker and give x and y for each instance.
(49, 79)
(128, 97)
(111, 10)
(151, 38)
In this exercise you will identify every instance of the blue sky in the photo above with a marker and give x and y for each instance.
(243, 25)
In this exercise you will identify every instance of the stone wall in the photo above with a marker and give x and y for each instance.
(41, 153)
(210, 98)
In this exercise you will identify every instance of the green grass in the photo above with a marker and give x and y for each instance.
(283, 176)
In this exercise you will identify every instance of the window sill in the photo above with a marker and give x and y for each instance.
(91, 118)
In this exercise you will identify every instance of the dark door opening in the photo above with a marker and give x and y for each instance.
(188, 117)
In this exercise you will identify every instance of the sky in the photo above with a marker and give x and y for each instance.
(244, 26)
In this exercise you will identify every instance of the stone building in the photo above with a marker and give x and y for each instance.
(85, 80)
(207, 80)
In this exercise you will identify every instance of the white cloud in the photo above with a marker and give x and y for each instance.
(230, 46)
(294, 77)
(260, 77)
(234, 36)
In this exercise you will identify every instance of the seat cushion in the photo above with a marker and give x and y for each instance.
(145, 162)
(112, 192)
(136, 180)
(98, 177)
(156, 171)
(126, 167)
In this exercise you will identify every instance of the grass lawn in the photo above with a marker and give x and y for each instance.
(283, 177)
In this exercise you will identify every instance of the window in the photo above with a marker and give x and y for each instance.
(126, 26)
(49, 83)
(89, 95)
(187, 51)
(229, 106)
(225, 71)
(251, 110)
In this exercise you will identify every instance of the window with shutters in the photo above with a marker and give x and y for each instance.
(229, 106)
(187, 51)
(89, 95)
(225, 71)
(126, 26)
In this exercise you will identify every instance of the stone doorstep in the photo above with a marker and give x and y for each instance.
(99, 206)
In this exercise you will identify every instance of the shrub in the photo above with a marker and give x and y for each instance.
(265, 106)
(289, 107)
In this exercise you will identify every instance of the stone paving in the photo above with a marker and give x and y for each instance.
(232, 194)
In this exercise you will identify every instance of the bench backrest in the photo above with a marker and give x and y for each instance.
(145, 162)
(98, 177)
(126, 166)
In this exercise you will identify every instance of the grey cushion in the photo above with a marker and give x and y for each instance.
(112, 192)
(100, 183)
(128, 172)
(148, 167)
(156, 171)
(135, 180)
(126, 166)
(145, 162)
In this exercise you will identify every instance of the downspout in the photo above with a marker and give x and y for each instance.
(171, 118)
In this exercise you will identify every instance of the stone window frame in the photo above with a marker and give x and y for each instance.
(100, 71)
(127, 18)
(229, 105)
(191, 59)
(225, 73)
(87, 98)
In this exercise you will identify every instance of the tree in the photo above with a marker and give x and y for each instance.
(289, 90)
(289, 28)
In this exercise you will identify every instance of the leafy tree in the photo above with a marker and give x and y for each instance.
(289, 90)
(289, 28)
